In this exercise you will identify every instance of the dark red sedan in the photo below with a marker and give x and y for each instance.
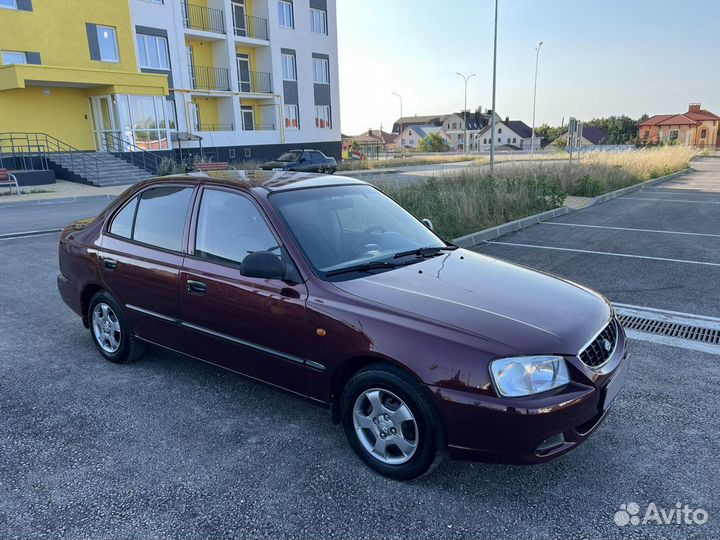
(326, 288)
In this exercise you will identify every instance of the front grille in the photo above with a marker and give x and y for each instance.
(597, 353)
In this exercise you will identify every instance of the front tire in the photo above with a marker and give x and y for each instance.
(390, 422)
(110, 330)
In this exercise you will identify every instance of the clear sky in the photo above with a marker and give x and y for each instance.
(599, 58)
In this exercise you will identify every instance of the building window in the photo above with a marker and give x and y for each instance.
(320, 71)
(285, 14)
(322, 116)
(411, 142)
(499, 130)
(9, 4)
(107, 43)
(703, 133)
(484, 141)
(288, 67)
(514, 140)
(318, 21)
(14, 57)
(291, 117)
(153, 52)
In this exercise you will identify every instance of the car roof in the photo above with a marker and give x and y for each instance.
(268, 180)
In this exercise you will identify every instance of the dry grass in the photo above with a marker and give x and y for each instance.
(470, 199)
(369, 164)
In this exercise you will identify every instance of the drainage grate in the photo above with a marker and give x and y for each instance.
(672, 329)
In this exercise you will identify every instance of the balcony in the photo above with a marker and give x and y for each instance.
(255, 82)
(214, 127)
(203, 18)
(209, 78)
(251, 27)
(247, 126)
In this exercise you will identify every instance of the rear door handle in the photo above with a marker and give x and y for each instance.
(110, 264)
(197, 287)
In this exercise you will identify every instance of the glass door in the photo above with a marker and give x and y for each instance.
(243, 66)
(105, 122)
(239, 20)
(248, 117)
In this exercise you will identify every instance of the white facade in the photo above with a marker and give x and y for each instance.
(413, 134)
(212, 101)
(503, 136)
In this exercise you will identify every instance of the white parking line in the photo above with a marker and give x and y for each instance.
(665, 200)
(27, 234)
(628, 255)
(628, 229)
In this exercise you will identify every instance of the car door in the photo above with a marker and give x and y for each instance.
(141, 258)
(306, 162)
(253, 326)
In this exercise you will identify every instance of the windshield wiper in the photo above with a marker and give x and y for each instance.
(363, 267)
(424, 251)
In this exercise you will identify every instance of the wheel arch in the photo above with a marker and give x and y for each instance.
(90, 290)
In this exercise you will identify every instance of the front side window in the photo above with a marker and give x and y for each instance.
(107, 43)
(320, 71)
(285, 14)
(10, 4)
(229, 227)
(318, 21)
(153, 52)
(160, 217)
(291, 117)
(322, 116)
(288, 67)
(342, 226)
(14, 57)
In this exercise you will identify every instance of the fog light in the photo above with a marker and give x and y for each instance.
(550, 443)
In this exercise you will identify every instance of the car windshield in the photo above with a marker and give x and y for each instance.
(341, 227)
(290, 156)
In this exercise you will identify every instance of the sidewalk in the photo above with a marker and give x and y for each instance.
(60, 192)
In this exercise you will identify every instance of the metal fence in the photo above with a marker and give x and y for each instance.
(256, 82)
(255, 27)
(203, 18)
(210, 78)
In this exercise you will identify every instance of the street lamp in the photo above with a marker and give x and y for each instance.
(532, 139)
(402, 146)
(492, 120)
(465, 110)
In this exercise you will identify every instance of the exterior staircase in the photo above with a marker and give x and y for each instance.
(95, 168)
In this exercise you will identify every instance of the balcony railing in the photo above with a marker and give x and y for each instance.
(214, 127)
(258, 82)
(259, 127)
(209, 78)
(252, 27)
(203, 18)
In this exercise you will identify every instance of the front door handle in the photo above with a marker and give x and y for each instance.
(110, 264)
(197, 287)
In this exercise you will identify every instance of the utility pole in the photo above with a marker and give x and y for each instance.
(465, 111)
(532, 139)
(494, 86)
(402, 146)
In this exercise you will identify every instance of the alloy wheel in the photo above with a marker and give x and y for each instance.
(106, 328)
(385, 426)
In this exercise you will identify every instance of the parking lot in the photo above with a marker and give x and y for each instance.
(169, 447)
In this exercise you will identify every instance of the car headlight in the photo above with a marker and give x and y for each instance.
(527, 375)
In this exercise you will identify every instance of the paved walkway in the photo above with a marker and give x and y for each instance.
(60, 190)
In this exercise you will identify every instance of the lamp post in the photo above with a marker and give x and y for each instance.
(492, 119)
(465, 110)
(532, 139)
(402, 146)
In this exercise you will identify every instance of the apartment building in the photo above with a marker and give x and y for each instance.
(247, 78)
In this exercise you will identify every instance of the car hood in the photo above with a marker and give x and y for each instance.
(526, 310)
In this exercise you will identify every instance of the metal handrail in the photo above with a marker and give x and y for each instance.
(203, 18)
(260, 127)
(210, 78)
(255, 27)
(260, 82)
(22, 145)
(214, 127)
(132, 153)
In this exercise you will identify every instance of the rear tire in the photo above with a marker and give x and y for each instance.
(391, 423)
(110, 330)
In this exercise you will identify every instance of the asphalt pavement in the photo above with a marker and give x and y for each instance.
(170, 447)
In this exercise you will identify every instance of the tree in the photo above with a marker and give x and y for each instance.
(433, 143)
(620, 129)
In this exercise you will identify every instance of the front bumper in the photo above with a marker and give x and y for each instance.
(528, 430)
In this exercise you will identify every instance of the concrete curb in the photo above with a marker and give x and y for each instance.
(473, 239)
(61, 200)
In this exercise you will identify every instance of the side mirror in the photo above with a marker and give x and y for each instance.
(428, 224)
(262, 264)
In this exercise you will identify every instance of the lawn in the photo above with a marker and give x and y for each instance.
(469, 200)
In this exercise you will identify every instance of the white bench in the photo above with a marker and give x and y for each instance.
(8, 179)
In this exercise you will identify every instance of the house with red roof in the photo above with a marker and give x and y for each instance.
(696, 127)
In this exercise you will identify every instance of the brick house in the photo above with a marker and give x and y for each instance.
(696, 127)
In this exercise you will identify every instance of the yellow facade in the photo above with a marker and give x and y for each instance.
(207, 110)
(54, 96)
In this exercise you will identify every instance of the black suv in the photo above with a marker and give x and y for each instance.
(302, 161)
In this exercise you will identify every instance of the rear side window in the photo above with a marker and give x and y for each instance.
(123, 222)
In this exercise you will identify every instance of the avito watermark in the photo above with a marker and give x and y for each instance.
(680, 514)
